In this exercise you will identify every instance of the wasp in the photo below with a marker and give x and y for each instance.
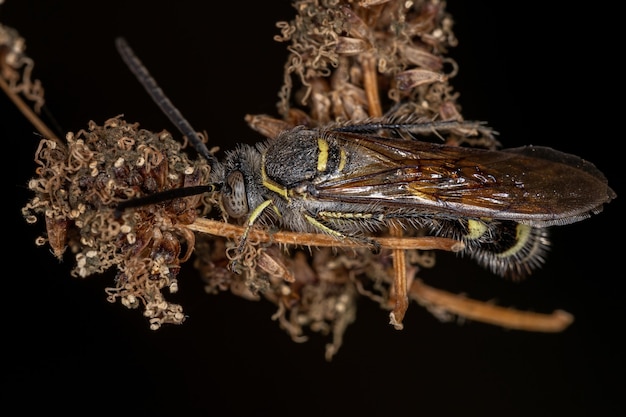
(355, 181)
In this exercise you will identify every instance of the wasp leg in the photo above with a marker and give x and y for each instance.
(250, 222)
(373, 244)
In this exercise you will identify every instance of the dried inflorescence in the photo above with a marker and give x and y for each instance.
(77, 189)
(315, 288)
(16, 79)
(357, 59)
(16, 67)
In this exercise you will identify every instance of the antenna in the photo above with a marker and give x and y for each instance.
(166, 106)
(159, 97)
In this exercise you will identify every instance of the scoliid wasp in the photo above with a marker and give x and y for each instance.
(354, 181)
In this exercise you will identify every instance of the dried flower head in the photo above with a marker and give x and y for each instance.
(77, 189)
(357, 59)
(16, 67)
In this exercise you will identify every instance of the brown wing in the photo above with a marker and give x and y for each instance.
(534, 185)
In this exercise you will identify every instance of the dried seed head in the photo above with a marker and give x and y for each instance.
(406, 41)
(16, 67)
(77, 190)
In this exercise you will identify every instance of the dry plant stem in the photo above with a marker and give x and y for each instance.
(423, 294)
(231, 231)
(368, 63)
(481, 311)
(370, 84)
(29, 114)
(399, 283)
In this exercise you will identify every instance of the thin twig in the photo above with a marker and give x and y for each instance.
(509, 318)
(231, 231)
(29, 114)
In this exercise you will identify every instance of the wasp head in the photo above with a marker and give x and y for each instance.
(241, 181)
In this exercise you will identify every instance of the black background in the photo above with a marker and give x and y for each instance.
(539, 76)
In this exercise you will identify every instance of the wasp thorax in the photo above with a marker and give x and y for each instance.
(234, 196)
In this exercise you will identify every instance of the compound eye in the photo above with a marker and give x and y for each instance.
(234, 195)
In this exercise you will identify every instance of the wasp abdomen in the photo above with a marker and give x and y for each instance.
(510, 249)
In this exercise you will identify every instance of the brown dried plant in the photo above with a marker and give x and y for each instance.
(347, 61)
(15, 78)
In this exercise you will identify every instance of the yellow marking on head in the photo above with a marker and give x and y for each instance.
(322, 158)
